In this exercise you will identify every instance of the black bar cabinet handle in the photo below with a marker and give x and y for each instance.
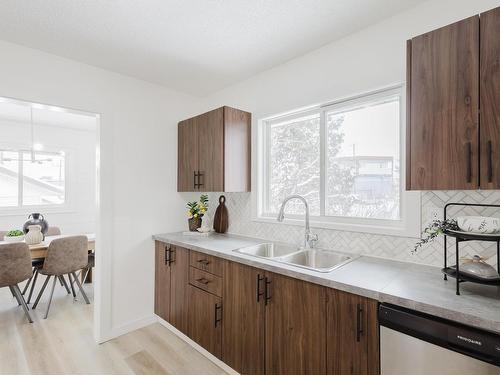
(359, 322)
(167, 255)
(267, 295)
(469, 162)
(216, 314)
(204, 261)
(171, 258)
(201, 182)
(195, 185)
(259, 279)
(203, 281)
(490, 161)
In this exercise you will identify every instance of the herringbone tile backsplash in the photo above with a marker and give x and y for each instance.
(397, 248)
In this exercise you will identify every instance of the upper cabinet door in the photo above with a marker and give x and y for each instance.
(443, 108)
(210, 127)
(187, 151)
(490, 99)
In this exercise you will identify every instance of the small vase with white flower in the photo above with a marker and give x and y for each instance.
(196, 210)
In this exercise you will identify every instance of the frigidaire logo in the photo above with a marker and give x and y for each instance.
(470, 341)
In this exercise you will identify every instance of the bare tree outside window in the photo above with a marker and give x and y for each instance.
(352, 147)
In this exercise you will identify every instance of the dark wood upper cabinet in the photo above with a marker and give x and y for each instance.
(187, 154)
(443, 108)
(453, 106)
(162, 280)
(352, 334)
(214, 151)
(295, 338)
(490, 99)
(244, 313)
(179, 278)
(204, 319)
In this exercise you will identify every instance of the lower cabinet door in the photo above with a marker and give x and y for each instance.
(162, 280)
(295, 326)
(179, 279)
(205, 319)
(244, 315)
(352, 335)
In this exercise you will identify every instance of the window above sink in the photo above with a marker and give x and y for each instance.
(346, 159)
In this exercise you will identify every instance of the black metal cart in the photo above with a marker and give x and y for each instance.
(454, 272)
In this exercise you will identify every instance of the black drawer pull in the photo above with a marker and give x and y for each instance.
(490, 161)
(259, 279)
(217, 319)
(203, 281)
(359, 323)
(204, 262)
(195, 184)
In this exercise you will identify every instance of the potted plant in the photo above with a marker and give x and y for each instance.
(433, 230)
(196, 210)
(14, 236)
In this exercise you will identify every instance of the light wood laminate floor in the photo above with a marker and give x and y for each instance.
(64, 344)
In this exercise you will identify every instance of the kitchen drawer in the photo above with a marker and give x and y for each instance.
(206, 263)
(206, 281)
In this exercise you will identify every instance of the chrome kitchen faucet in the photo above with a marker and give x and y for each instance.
(309, 238)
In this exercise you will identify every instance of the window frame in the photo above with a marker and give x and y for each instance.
(409, 223)
(47, 208)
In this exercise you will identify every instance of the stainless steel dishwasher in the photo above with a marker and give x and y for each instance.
(413, 343)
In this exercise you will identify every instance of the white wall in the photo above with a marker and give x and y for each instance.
(369, 59)
(138, 172)
(78, 214)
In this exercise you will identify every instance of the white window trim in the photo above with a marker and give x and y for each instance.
(409, 224)
(65, 207)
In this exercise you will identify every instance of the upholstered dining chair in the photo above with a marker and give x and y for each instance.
(15, 266)
(38, 263)
(65, 256)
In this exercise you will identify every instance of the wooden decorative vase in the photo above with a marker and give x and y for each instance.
(221, 218)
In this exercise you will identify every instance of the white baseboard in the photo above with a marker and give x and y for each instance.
(203, 351)
(129, 327)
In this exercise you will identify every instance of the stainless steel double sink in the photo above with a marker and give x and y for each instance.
(312, 259)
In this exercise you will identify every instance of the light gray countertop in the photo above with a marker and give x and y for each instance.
(414, 286)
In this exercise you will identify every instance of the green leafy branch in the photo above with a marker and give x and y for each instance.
(435, 229)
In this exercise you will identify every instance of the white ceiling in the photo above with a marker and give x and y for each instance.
(195, 46)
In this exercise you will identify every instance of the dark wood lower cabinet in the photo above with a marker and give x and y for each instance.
(352, 334)
(295, 326)
(162, 281)
(261, 322)
(205, 319)
(179, 279)
(244, 314)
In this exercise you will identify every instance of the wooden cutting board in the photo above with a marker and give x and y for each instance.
(221, 218)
